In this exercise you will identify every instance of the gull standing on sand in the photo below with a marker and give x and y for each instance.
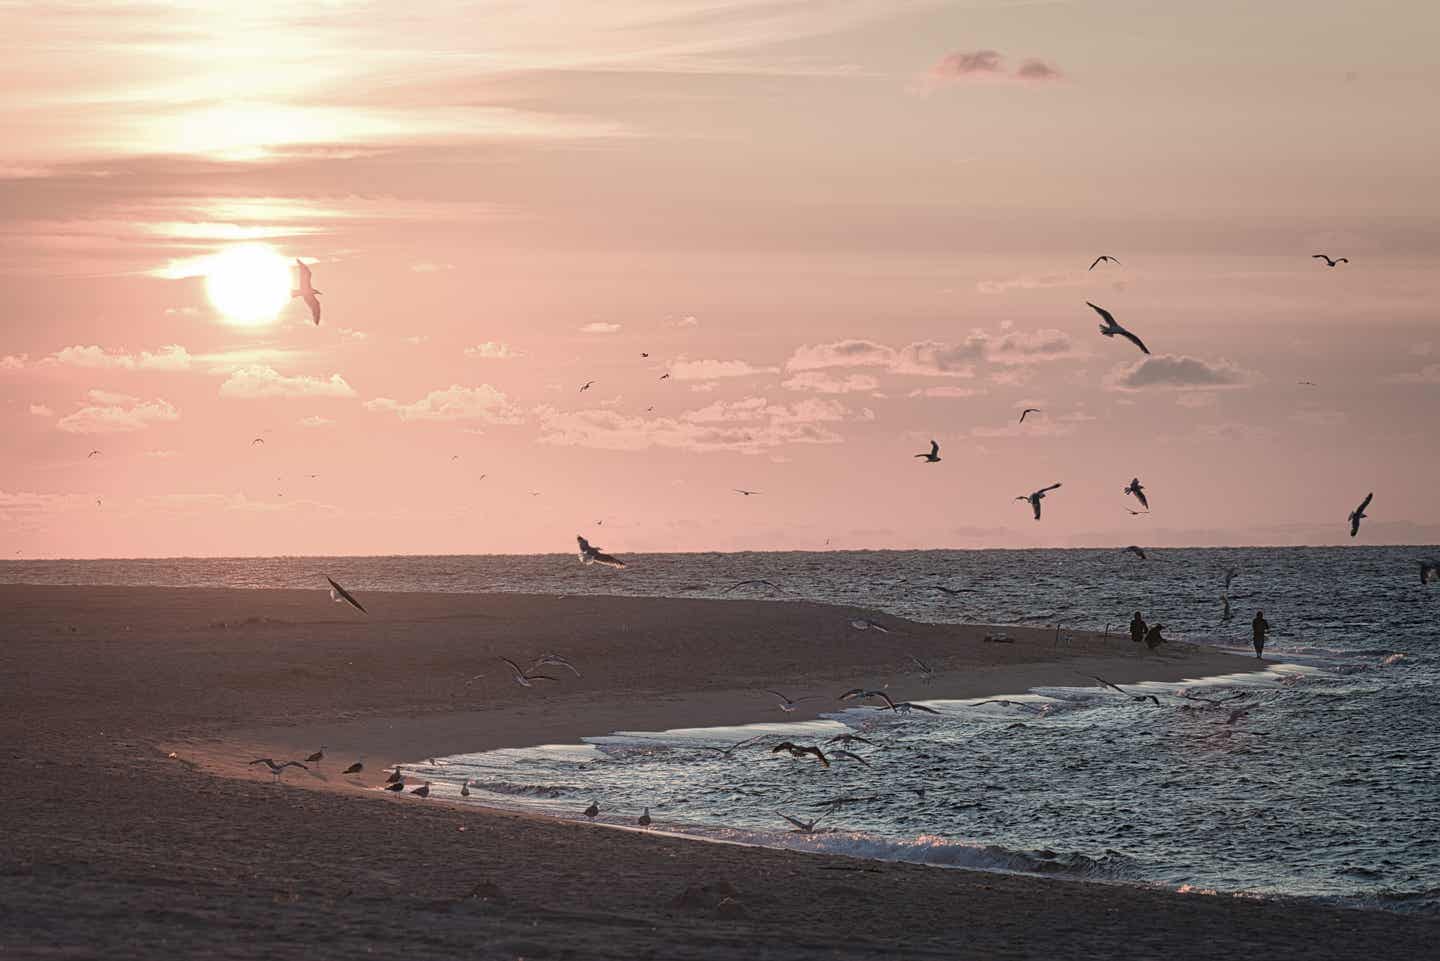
(596, 555)
(522, 677)
(306, 291)
(1358, 514)
(1104, 258)
(395, 776)
(1035, 498)
(801, 750)
(317, 757)
(593, 810)
(1110, 328)
(934, 456)
(277, 769)
(787, 704)
(339, 594)
(355, 768)
(422, 791)
(644, 819)
(1138, 491)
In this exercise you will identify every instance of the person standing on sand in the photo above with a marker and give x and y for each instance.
(1258, 627)
(1137, 628)
(1153, 638)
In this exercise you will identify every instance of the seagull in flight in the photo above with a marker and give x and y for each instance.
(586, 386)
(1138, 491)
(860, 694)
(594, 555)
(800, 750)
(758, 580)
(306, 291)
(1307, 383)
(339, 594)
(926, 671)
(644, 354)
(1132, 549)
(665, 376)
(93, 453)
(553, 659)
(849, 756)
(905, 707)
(1133, 697)
(277, 769)
(849, 739)
(1358, 514)
(934, 456)
(522, 677)
(1110, 328)
(865, 624)
(1104, 258)
(1429, 571)
(1028, 410)
(787, 704)
(1328, 261)
(802, 827)
(258, 440)
(727, 751)
(740, 490)
(1036, 498)
(1187, 695)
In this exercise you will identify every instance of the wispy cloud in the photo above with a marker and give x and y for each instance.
(820, 382)
(1429, 374)
(454, 403)
(716, 369)
(750, 426)
(170, 357)
(1169, 372)
(315, 420)
(984, 65)
(490, 350)
(600, 327)
(40, 410)
(108, 413)
(256, 382)
(946, 390)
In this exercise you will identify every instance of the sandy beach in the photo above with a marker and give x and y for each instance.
(116, 848)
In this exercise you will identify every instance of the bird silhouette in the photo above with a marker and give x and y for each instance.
(1328, 261)
(1104, 258)
(1358, 514)
(934, 456)
(1110, 328)
(306, 291)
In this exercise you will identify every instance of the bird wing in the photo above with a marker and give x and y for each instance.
(1108, 684)
(1096, 261)
(779, 695)
(1134, 340)
(304, 271)
(1140, 496)
(292, 764)
(799, 824)
(313, 303)
(1046, 490)
(1365, 503)
(514, 667)
(818, 753)
(607, 559)
(883, 696)
(344, 594)
(1342, 260)
(264, 760)
(783, 746)
(1319, 257)
(1105, 315)
(934, 448)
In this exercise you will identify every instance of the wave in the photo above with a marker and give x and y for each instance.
(544, 791)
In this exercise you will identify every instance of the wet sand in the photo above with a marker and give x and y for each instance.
(115, 848)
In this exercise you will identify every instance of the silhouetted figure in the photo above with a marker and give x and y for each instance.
(1153, 638)
(1258, 627)
(1137, 628)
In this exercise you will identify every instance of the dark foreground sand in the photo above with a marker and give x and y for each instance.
(113, 849)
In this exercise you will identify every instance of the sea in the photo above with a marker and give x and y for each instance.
(1321, 783)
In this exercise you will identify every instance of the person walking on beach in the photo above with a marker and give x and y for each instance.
(1153, 638)
(1259, 626)
(1137, 628)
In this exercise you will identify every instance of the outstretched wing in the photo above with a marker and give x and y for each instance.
(1096, 261)
(1365, 503)
(934, 448)
(313, 303)
(799, 824)
(346, 596)
(1105, 315)
(607, 559)
(1134, 340)
(304, 271)
(1108, 684)
(1140, 496)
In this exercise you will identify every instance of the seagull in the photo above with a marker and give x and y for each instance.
(395, 776)
(1230, 573)
(258, 440)
(556, 660)
(865, 624)
(934, 456)
(1028, 410)
(422, 791)
(277, 769)
(644, 819)
(1110, 328)
(800, 750)
(595, 555)
(1036, 498)
(306, 292)
(787, 704)
(1328, 261)
(93, 453)
(465, 788)
(593, 810)
(905, 707)
(926, 671)
(355, 768)
(1307, 383)
(952, 591)
(740, 490)
(1210, 700)
(664, 376)
(727, 751)
(849, 739)
(1104, 258)
(1133, 697)
(1136, 551)
(1358, 514)
(860, 694)
(850, 756)
(1007, 702)
(1429, 571)
(523, 678)
(803, 827)
(1136, 513)
(1138, 490)
(396, 786)
(338, 594)
(643, 354)
(317, 757)
(754, 581)
(586, 386)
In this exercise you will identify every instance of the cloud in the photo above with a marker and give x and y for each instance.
(1196, 401)
(350, 333)
(40, 410)
(314, 420)
(959, 64)
(599, 327)
(1028, 347)
(1168, 372)
(688, 320)
(108, 413)
(257, 381)
(823, 383)
(1039, 70)
(13, 362)
(490, 350)
(1028, 283)
(984, 65)
(171, 357)
(931, 358)
(946, 391)
(749, 426)
(842, 353)
(429, 268)
(483, 403)
(1429, 374)
(417, 339)
(161, 454)
(716, 369)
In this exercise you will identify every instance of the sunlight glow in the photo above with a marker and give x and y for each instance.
(249, 284)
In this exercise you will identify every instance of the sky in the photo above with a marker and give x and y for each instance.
(841, 227)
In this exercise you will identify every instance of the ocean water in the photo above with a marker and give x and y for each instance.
(1328, 787)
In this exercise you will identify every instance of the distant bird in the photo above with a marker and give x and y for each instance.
(905, 707)
(1110, 328)
(860, 694)
(93, 453)
(740, 490)
(865, 624)
(643, 354)
(1028, 410)
(1429, 571)
(1307, 383)
(1133, 697)
(1134, 513)
(454, 456)
(317, 757)
(664, 376)
(1035, 498)
(595, 555)
(1006, 701)
(926, 671)
(556, 660)
(306, 291)
(849, 756)
(395, 786)
(1138, 492)
(258, 440)
(1237, 714)
(465, 788)
(803, 827)
(952, 591)
(644, 819)
(1358, 514)
(277, 769)
(1211, 700)
(801, 750)
(787, 704)
(849, 739)
(593, 810)
(1104, 258)
(1328, 261)
(1132, 549)
(727, 751)
(586, 386)
(422, 791)
(338, 594)
(523, 678)
(757, 580)
(934, 456)
(355, 768)
(395, 776)
(1230, 573)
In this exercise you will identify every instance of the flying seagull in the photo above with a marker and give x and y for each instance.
(1110, 328)
(338, 594)
(306, 292)
(787, 704)
(849, 756)
(802, 827)
(1136, 551)
(1036, 498)
(1138, 491)
(644, 354)
(1328, 261)
(277, 769)
(800, 750)
(258, 440)
(865, 624)
(586, 386)
(556, 660)
(934, 456)
(727, 751)
(1133, 697)
(355, 768)
(1028, 410)
(1104, 258)
(848, 739)
(860, 694)
(905, 707)
(741, 490)
(1429, 571)
(1189, 696)
(664, 376)
(1358, 514)
(523, 678)
(595, 555)
(93, 453)
(758, 580)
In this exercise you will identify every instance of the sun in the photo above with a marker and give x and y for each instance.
(249, 284)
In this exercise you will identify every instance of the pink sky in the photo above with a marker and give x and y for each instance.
(844, 227)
